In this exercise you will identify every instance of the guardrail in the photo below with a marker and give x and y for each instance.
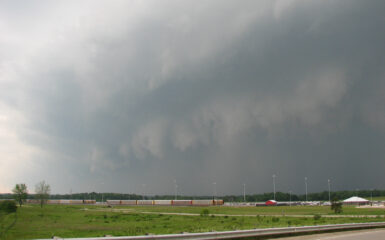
(245, 233)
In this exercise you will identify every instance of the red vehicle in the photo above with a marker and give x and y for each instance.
(271, 203)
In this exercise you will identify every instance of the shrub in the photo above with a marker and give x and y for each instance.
(8, 206)
(205, 212)
(336, 206)
(275, 219)
(317, 217)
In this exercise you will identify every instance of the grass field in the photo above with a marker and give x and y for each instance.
(284, 210)
(74, 221)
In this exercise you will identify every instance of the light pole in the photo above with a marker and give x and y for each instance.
(215, 190)
(274, 185)
(306, 188)
(176, 189)
(244, 192)
(371, 196)
(102, 183)
(290, 199)
(144, 186)
(329, 188)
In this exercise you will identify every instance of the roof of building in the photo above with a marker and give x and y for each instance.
(356, 199)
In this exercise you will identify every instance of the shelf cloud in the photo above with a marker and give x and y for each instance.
(115, 96)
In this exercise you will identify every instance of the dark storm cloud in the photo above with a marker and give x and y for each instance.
(132, 95)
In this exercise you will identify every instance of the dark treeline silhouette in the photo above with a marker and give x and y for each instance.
(279, 196)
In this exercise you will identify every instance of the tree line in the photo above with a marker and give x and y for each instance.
(319, 196)
(280, 196)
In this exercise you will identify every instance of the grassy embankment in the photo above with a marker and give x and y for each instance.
(74, 221)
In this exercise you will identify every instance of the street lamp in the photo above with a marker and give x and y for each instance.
(274, 185)
(306, 187)
(329, 188)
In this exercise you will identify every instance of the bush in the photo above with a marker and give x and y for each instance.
(336, 206)
(8, 206)
(317, 217)
(205, 212)
(275, 219)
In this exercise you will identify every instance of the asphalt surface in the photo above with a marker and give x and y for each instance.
(373, 234)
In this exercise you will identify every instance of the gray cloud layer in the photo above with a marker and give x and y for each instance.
(110, 96)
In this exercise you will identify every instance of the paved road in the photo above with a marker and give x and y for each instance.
(373, 234)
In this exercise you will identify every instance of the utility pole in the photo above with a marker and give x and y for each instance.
(244, 192)
(274, 185)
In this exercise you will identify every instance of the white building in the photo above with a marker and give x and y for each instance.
(355, 201)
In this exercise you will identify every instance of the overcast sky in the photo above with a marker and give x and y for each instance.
(129, 96)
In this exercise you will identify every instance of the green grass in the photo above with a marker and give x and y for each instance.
(74, 221)
(284, 210)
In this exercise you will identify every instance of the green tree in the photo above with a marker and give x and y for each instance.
(42, 191)
(20, 193)
(336, 206)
